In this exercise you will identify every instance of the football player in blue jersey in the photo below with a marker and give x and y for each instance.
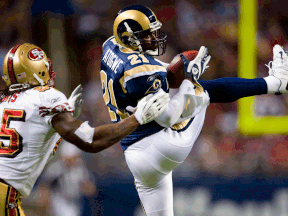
(130, 71)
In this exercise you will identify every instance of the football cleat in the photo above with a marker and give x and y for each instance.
(279, 68)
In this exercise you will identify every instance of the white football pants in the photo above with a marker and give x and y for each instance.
(152, 159)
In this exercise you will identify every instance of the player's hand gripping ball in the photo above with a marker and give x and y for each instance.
(176, 73)
(175, 70)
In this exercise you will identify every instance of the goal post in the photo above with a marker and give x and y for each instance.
(248, 121)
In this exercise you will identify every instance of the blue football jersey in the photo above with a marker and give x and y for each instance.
(126, 77)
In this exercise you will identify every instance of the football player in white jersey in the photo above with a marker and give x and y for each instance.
(130, 67)
(32, 112)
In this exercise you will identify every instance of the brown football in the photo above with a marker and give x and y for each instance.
(175, 70)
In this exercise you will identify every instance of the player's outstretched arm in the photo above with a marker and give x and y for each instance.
(97, 139)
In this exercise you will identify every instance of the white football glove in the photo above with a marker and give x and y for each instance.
(151, 106)
(195, 68)
(76, 101)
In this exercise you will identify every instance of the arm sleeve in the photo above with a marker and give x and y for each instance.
(178, 109)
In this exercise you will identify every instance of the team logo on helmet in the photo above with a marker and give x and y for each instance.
(36, 54)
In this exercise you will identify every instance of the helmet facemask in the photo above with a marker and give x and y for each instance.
(136, 39)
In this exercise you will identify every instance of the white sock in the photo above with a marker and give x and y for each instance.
(273, 84)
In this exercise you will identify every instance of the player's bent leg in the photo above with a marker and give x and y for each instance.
(157, 199)
(152, 160)
(10, 202)
(154, 186)
(176, 145)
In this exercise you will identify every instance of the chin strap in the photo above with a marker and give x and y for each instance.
(18, 86)
(152, 52)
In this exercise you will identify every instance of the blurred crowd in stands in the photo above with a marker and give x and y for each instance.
(86, 24)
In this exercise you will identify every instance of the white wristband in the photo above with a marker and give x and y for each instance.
(138, 117)
(85, 132)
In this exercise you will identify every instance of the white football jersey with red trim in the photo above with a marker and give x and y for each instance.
(26, 135)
